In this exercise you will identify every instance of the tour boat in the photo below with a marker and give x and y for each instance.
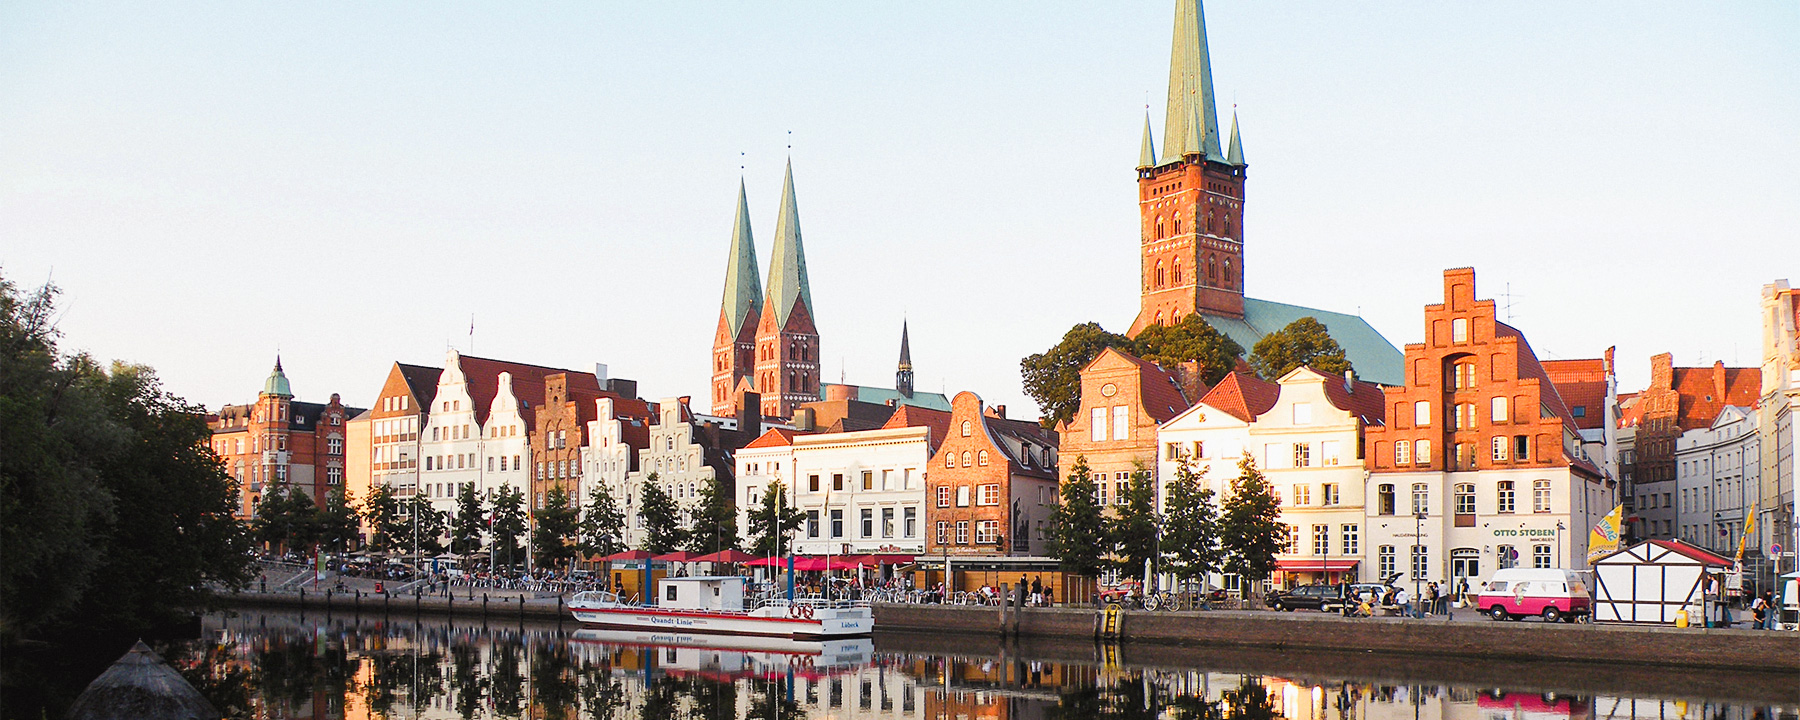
(734, 654)
(717, 605)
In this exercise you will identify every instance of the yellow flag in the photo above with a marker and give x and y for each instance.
(1749, 527)
(1604, 540)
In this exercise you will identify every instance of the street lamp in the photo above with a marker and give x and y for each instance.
(1418, 545)
(1559, 556)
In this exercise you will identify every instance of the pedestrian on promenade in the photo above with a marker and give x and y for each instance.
(1760, 609)
(1403, 600)
(1428, 604)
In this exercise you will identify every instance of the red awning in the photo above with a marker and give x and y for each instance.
(1316, 565)
(726, 556)
(629, 555)
(677, 556)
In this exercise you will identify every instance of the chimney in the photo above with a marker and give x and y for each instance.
(803, 419)
(1350, 381)
(749, 413)
(1719, 381)
(600, 374)
(840, 392)
(1662, 371)
(1190, 380)
(1000, 411)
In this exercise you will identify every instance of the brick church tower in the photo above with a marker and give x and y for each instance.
(1191, 198)
(787, 343)
(734, 344)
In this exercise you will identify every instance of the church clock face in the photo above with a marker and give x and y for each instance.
(1109, 390)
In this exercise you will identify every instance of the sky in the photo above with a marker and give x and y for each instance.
(350, 184)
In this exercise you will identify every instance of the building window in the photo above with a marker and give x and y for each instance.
(949, 459)
(1422, 413)
(1302, 455)
(967, 428)
(1421, 561)
(990, 494)
(943, 532)
(1421, 498)
(334, 476)
(1540, 556)
(1465, 498)
(887, 522)
(1329, 453)
(981, 458)
(1540, 496)
(966, 459)
(868, 522)
(1384, 497)
(1385, 560)
(1578, 411)
(909, 522)
(1497, 411)
(812, 483)
(987, 532)
(1303, 494)
(1352, 540)
(1402, 452)
(837, 482)
(962, 532)
(1292, 545)
(1459, 330)
(869, 479)
(837, 523)
(1422, 452)
(962, 496)
(1172, 451)
(1505, 557)
(1329, 495)
(943, 496)
(1507, 497)
(1121, 418)
(812, 523)
(1321, 539)
(1097, 425)
(1497, 448)
(1521, 447)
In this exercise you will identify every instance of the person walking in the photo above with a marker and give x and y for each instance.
(1428, 603)
(1760, 610)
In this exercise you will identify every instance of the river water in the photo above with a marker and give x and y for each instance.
(287, 665)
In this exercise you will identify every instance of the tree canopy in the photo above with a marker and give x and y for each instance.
(1303, 342)
(1191, 339)
(715, 520)
(557, 524)
(1053, 378)
(118, 516)
(662, 519)
(1132, 531)
(1077, 528)
(507, 508)
(602, 525)
(1191, 525)
(771, 521)
(1251, 528)
(468, 523)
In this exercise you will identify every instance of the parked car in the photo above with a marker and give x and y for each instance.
(1324, 598)
(1514, 593)
(1122, 592)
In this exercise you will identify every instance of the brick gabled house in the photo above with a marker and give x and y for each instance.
(1123, 401)
(992, 484)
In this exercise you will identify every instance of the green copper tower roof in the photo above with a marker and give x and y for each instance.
(277, 384)
(787, 265)
(743, 300)
(1236, 155)
(1190, 112)
(1147, 154)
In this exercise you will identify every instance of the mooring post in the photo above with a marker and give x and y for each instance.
(1018, 608)
(484, 600)
(1004, 602)
(521, 606)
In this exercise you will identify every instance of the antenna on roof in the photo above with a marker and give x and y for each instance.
(1510, 299)
(471, 333)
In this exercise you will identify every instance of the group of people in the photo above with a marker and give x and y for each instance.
(1433, 599)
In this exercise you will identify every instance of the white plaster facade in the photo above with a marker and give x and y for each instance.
(1718, 475)
(456, 449)
(677, 461)
(1308, 450)
(863, 492)
(607, 459)
(1778, 521)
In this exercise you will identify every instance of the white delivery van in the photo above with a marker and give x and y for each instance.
(1552, 594)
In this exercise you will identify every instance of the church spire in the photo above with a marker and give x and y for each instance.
(1236, 155)
(743, 300)
(1190, 90)
(787, 264)
(1147, 153)
(903, 378)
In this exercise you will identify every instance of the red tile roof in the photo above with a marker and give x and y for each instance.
(1704, 556)
(1243, 395)
(1158, 389)
(483, 376)
(1365, 400)
(1581, 383)
(1705, 391)
(422, 381)
(776, 437)
(914, 416)
(1529, 367)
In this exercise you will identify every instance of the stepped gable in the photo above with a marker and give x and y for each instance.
(1529, 367)
(1244, 396)
(483, 376)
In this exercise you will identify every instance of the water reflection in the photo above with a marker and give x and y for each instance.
(275, 665)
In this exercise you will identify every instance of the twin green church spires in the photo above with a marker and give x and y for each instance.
(744, 298)
(1190, 121)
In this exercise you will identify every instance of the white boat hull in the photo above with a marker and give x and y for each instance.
(826, 622)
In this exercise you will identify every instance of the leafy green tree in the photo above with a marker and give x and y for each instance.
(428, 525)
(337, 521)
(273, 523)
(1251, 528)
(602, 525)
(508, 518)
(382, 511)
(1190, 339)
(1132, 532)
(1302, 342)
(1191, 526)
(662, 520)
(118, 517)
(772, 521)
(1053, 377)
(715, 520)
(470, 521)
(1077, 528)
(557, 523)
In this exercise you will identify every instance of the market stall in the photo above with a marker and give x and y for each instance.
(1653, 581)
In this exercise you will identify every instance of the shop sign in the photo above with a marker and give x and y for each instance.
(1526, 533)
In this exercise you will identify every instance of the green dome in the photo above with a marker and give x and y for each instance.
(277, 384)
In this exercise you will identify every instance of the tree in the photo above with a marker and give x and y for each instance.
(507, 523)
(118, 517)
(557, 524)
(1251, 528)
(1190, 339)
(1077, 528)
(662, 520)
(382, 511)
(429, 524)
(772, 521)
(715, 520)
(1132, 531)
(337, 522)
(1302, 342)
(1191, 526)
(1053, 377)
(470, 520)
(602, 526)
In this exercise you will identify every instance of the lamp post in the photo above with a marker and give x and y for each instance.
(1418, 546)
(1559, 556)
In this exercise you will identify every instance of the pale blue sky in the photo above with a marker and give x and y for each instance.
(351, 181)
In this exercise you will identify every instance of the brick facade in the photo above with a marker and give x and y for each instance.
(991, 485)
(1123, 401)
(277, 441)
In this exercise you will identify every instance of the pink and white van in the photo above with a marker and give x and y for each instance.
(1554, 595)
